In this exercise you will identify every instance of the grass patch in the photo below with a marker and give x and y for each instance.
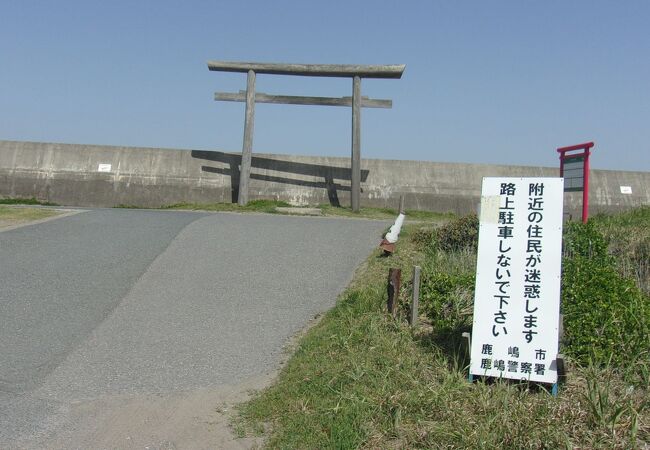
(24, 201)
(384, 213)
(264, 206)
(268, 206)
(14, 216)
(361, 379)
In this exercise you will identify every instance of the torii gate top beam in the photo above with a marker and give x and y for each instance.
(311, 70)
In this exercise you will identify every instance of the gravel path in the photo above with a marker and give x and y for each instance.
(121, 304)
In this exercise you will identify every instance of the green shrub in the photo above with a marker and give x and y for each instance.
(447, 289)
(584, 240)
(263, 203)
(447, 298)
(423, 237)
(606, 315)
(459, 234)
(628, 241)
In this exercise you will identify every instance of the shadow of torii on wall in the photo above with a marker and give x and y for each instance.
(328, 173)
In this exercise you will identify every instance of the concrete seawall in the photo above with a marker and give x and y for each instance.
(94, 175)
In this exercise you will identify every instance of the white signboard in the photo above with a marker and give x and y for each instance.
(517, 300)
(104, 168)
(626, 189)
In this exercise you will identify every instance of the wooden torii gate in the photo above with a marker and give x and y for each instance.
(356, 72)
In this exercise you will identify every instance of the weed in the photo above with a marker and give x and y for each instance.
(628, 239)
(265, 206)
(385, 213)
(25, 201)
(457, 235)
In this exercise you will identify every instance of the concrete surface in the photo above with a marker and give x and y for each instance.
(300, 211)
(69, 174)
(62, 278)
(115, 312)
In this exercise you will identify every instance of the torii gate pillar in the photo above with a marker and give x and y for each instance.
(355, 166)
(247, 146)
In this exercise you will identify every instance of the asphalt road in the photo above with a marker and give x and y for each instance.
(129, 302)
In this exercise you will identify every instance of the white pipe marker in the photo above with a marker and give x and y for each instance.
(393, 233)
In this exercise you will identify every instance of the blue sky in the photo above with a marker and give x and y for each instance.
(503, 82)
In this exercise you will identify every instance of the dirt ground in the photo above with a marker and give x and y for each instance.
(197, 419)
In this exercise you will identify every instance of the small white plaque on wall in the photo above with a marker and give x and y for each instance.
(626, 189)
(104, 168)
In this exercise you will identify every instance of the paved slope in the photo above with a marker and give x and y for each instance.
(60, 279)
(214, 309)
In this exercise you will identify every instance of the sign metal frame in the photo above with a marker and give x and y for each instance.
(569, 157)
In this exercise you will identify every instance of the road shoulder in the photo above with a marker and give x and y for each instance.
(12, 217)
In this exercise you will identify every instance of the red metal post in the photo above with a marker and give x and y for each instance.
(585, 189)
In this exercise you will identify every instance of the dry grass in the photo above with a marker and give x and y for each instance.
(10, 216)
(628, 235)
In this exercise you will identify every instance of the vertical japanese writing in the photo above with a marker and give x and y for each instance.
(506, 225)
(532, 274)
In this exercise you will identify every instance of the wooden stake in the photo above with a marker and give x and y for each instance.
(415, 300)
(394, 282)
